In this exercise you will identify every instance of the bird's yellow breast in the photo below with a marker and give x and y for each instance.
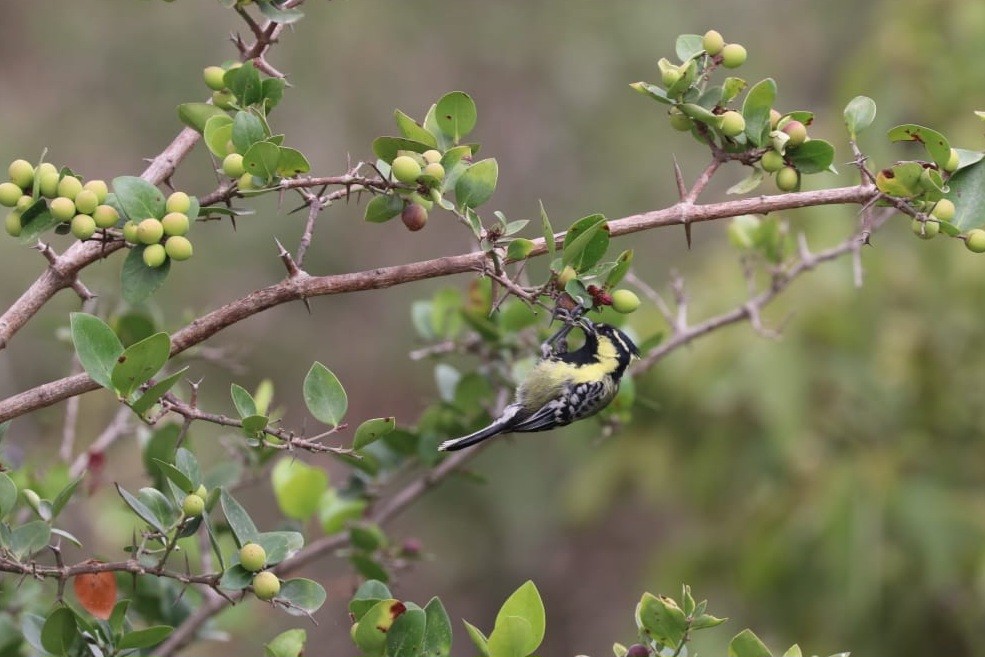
(548, 377)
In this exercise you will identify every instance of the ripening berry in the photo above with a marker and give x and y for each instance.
(733, 55)
(193, 505)
(61, 208)
(432, 156)
(732, 124)
(69, 187)
(772, 162)
(83, 226)
(178, 202)
(638, 650)
(232, 165)
(9, 194)
(712, 42)
(625, 301)
(23, 203)
(414, 216)
(975, 240)
(953, 162)
(175, 223)
(154, 256)
(21, 173)
(775, 117)
(48, 184)
(680, 121)
(150, 231)
(13, 223)
(178, 248)
(224, 100)
(266, 586)
(106, 216)
(944, 210)
(213, 76)
(797, 132)
(926, 230)
(252, 557)
(246, 181)
(435, 170)
(787, 179)
(405, 168)
(99, 188)
(130, 232)
(86, 201)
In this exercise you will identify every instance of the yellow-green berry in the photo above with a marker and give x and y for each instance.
(435, 170)
(178, 248)
(86, 201)
(175, 223)
(975, 240)
(21, 173)
(48, 184)
(246, 181)
(771, 162)
(69, 187)
(712, 42)
(178, 202)
(232, 165)
(83, 226)
(775, 117)
(787, 179)
(566, 276)
(213, 76)
(61, 208)
(953, 162)
(45, 168)
(154, 256)
(193, 505)
(9, 194)
(266, 586)
(733, 55)
(405, 168)
(130, 232)
(680, 121)
(99, 188)
(252, 557)
(670, 76)
(224, 100)
(732, 124)
(106, 216)
(431, 156)
(24, 202)
(625, 301)
(13, 223)
(926, 230)
(797, 132)
(944, 210)
(150, 231)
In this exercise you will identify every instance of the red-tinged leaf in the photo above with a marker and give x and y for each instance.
(96, 592)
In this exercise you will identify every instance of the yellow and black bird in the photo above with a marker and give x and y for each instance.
(563, 386)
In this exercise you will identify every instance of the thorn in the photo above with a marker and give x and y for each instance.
(306, 303)
(687, 233)
(681, 186)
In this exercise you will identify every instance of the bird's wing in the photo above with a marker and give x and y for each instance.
(552, 414)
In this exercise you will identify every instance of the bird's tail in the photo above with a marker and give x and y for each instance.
(501, 425)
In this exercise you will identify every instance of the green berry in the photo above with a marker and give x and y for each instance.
(797, 132)
(175, 223)
(246, 181)
(61, 208)
(13, 223)
(178, 202)
(414, 216)
(99, 188)
(193, 505)
(670, 76)
(266, 586)
(9, 194)
(232, 165)
(86, 201)
(83, 226)
(435, 170)
(45, 168)
(213, 76)
(69, 187)
(252, 557)
(772, 162)
(21, 173)
(926, 230)
(405, 168)
(150, 231)
(625, 301)
(178, 248)
(712, 42)
(224, 100)
(154, 256)
(24, 202)
(944, 210)
(732, 124)
(106, 216)
(48, 184)
(733, 55)
(975, 240)
(130, 232)
(431, 157)
(787, 179)
(953, 162)
(680, 121)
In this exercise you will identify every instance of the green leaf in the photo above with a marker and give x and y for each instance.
(860, 112)
(747, 644)
(248, 129)
(967, 191)
(138, 281)
(145, 638)
(180, 479)
(437, 630)
(512, 637)
(8, 494)
(244, 82)
(813, 156)
(334, 511)
(35, 221)
(756, 110)
(97, 347)
(386, 148)
(586, 242)
(968, 157)
(280, 545)
(262, 160)
(901, 180)
(278, 15)
(705, 621)
(747, 184)
(620, 269)
(936, 144)
(139, 198)
(548, 232)
(218, 133)
(455, 115)
(197, 115)
(367, 596)
(142, 510)
(699, 113)
(298, 487)
(661, 619)
(155, 392)
(412, 130)
(652, 91)
(524, 603)
(793, 651)
(158, 504)
(479, 639)
(243, 400)
(370, 635)
(139, 362)
(688, 46)
(273, 92)
(244, 531)
(306, 596)
(63, 497)
(254, 425)
(287, 644)
(372, 430)
(292, 163)
(60, 631)
(477, 184)
(383, 208)
(235, 578)
(732, 87)
(29, 538)
(324, 395)
(406, 637)
(519, 249)
(369, 567)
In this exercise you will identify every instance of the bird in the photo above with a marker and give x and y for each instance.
(563, 386)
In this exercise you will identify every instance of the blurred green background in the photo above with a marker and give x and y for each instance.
(825, 488)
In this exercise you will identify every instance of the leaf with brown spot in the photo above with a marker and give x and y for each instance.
(96, 592)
